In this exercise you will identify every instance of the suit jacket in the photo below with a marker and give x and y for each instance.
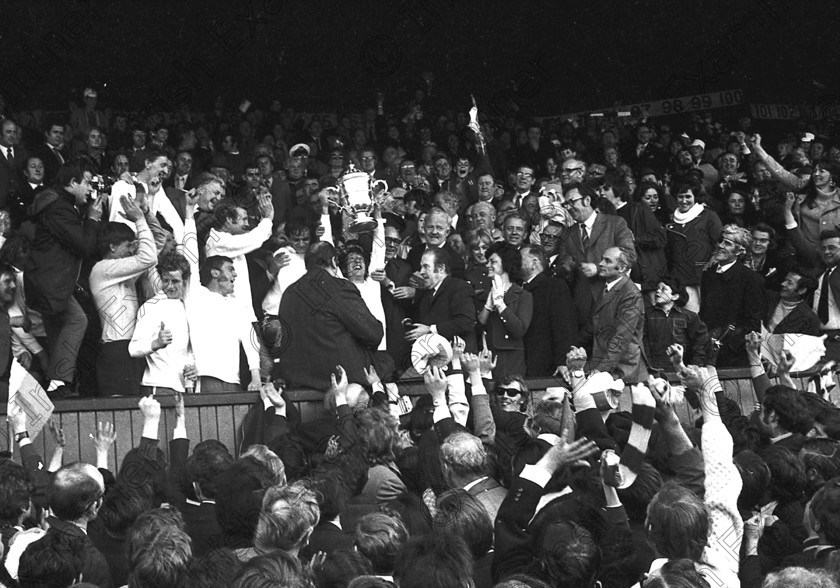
(50, 159)
(326, 324)
(95, 570)
(457, 267)
(178, 198)
(506, 331)
(170, 181)
(734, 297)
(489, 493)
(618, 322)
(834, 284)
(651, 238)
(282, 199)
(802, 319)
(607, 231)
(452, 310)
(327, 537)
(10, 181)
(553, 328)
(384, 484)
(62, 241)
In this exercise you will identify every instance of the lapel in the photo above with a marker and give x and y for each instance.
(606, 296)
(834, 283)
(597, 228)
(436, 295)
(535, 283)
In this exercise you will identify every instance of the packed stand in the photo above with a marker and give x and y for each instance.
(187, 254)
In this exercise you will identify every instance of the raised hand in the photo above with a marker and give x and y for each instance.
(149, 407)
(339, 386)
(163, 339)
(274, 395)
(785, 363)
(566, 454)
(265, 206)
(57, 433)
(675, 354)
(486, 361)
(576, 359)
(436, 383)
(371, 376)
(458, 348)
(753, 345)
(105, 436)
(131, 212)
(470, 363)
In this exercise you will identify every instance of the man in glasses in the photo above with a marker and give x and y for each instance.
(732, 303)
(645, 153)
(572, 171)
(524, 182)
(591, 235)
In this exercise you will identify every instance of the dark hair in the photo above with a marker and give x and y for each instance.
(68, 173)
(464, 515)
(822, 457)
(825, 506)
(378, 435)
(676, 288)
(745, 435)
(15, 490)
(789, 407)
(576, 564)
(353, 247)
(319, 255)
(440, 258)
(765, 228)
(511, 259)
(172, 261)
(694, 186)
(158, 549)
(215, 569)
(206, 467)
(755, 478)
(787, 473)
(806, 280)
(154, 155)
(640, 493)
(276, 568)
(584, 190)
(225, 211)
(239, 497)
(113, 233)
(123, 503)
(440, 559)
(677, 573)
(340, 568)
(825, 414)
(834, 172)
(534, 251)
(214, 262)
(331, 491)
(678, 523)
(56, 559)
(644, 187)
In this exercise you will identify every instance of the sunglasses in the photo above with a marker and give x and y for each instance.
(509, 392)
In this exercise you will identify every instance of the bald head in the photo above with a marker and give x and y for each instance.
(75, 492)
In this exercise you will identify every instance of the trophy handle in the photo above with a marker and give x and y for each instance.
(375, 183)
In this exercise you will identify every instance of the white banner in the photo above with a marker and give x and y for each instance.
(683, 104)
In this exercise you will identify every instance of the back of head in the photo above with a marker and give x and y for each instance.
(113, 233)
(319, 255)
(288, 516)
(331, 491)
(15, 490)
(158, 548)
(55, 560)
(821, 458)
(379, 537)
(825, 506)
(370, 582)
(463, 455)
(790, 408)
(340, 568)
(277, 568)
(567, 553)
(239, 497)
(378, 435)
(205, 468)
(462, 514)
(73, 490)
(677, 523)
(755, 478)
(797, 577)
(787, 473)
(215, 569)
(677, 573)
(123, 504)
(440, 559)
(269, 459)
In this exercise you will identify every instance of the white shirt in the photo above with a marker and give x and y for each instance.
(722, 268)
(287, 276)
(611, 285)
(164, 367)
(235, 247)
(112, 282)
(159, 203)
(833, 312)
(5, 151)
(217, 324)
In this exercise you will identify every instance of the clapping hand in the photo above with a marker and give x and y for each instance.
(132, 210)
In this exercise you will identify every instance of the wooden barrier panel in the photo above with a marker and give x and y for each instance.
(219, 416)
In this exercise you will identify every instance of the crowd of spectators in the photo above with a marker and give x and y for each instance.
(183, 253)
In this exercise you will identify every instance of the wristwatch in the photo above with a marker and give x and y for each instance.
(21, 436)
(578, 374)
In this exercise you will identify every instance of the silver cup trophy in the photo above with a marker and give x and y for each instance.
(358, 187)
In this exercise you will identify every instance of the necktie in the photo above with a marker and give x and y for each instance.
(584, 236)
(822, 305)
(11, 153)
(58, 155)
(180, 181)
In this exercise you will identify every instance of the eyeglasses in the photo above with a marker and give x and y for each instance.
(549, 236)
(392, 241)
(571, 170)
(524, 175)
(570, 202)
(509, 392)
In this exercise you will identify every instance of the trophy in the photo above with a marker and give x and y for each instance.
(356, 187)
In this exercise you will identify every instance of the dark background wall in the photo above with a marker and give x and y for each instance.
(552, 57)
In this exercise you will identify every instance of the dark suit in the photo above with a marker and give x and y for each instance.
(457, 267)
(506, 331)
(452, 310)
(553, 328)
(20, 202)
(10, 181)
(398, 271)
(282, 199)
(327, 324)
(802, 319)
(326, 537)
(95, 570)
(51, 161)
(178, 198)
(734, 297)
(188, 184)
(618, 322)
(489, 493)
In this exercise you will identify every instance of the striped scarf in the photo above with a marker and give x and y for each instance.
(634, 452)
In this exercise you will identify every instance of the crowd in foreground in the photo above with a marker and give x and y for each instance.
(215, 254)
